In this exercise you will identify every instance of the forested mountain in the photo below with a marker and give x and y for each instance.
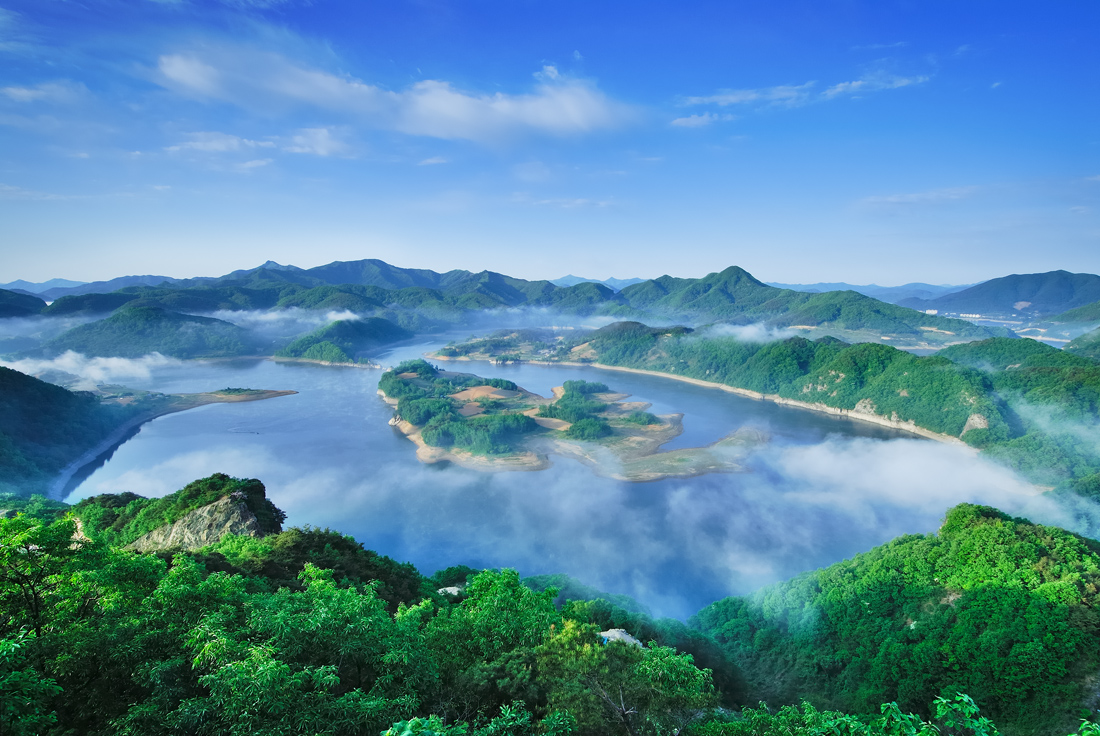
(304, 631)
(1087, 345)
(993, 606)
(1029, 405)
(136, 331)
(1029, 295)
(345, 341)
(44, 427)
(14, 304)
(1087, 313)
(423, 300)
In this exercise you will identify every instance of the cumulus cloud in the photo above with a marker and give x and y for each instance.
(559, 105)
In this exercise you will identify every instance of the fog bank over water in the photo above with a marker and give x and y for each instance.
(823, 489)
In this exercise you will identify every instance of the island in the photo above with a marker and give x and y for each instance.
(491, 424)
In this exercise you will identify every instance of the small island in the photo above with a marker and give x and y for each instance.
(491, 424)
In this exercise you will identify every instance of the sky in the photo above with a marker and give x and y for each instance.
(867, 142)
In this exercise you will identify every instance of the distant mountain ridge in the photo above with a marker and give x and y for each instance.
(891, 294)
(424, 300)
(613, 283)
(1027, 295)
(38, 288)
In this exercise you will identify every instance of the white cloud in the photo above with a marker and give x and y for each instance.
(190, 73)
(432, 161)
(995, 85)
(783, 95)
(89, 372)
(795, 95)
(254, 164)
(317, 141)
(881, 46)
(872, 83)
(559, 105)
(61, 92)
(698, 121)
(930, 197)
(577, 56)
(567, 203)
(218, 143)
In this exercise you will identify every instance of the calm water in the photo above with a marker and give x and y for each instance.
(823, 489)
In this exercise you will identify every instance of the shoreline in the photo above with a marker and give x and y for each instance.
(183, 402)
(871, 418)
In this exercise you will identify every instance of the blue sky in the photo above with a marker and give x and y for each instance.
(885, 142)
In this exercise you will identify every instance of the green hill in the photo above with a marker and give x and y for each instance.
(304, 631)
(1087, 345)
(735, 296)
(425, 300)
(1028, 405)
(1087, 313)
(1000, 354)
(136, 331)
(1030, 294)
(44, 427)
(344, 341)
(14, 304)
(993, 606)
(89, 303)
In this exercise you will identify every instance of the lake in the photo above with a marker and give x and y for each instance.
(823, 489)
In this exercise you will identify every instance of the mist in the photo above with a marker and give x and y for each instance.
(757, 332)
(79, 372)
(675, 545)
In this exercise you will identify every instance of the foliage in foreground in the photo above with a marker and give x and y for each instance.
(305, 632)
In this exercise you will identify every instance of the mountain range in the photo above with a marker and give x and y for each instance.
(891, 294)
(423, 300)
(1028, 295)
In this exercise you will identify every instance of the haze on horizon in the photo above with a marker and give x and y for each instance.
(860, 142)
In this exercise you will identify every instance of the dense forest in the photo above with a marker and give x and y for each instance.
(304, 631)
(44, 427)
(136, 331)
(1025, 403)
(345, 341)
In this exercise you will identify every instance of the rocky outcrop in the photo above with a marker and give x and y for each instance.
(975, 421)
(204, 526)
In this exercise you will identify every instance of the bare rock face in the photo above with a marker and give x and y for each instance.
(975, 421)
(203, 526)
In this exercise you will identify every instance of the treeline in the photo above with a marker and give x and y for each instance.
(305, 632)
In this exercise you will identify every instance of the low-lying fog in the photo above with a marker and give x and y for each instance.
(822, 490)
